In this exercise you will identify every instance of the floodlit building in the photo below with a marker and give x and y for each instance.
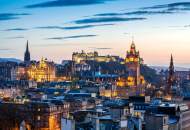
(42, 71)
(132, 83)
(83, 56)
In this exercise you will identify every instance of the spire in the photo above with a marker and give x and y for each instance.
(171, 67)
(132, 39)
(27, 46)
(171, 60)
(133, 48)
(171, 76)
(27, 53)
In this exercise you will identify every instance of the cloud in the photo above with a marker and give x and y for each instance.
(153, 10)
(71, 37)
(148, 12)
(50, 27)
(17, 37)
(86, 26)
(172, 6)
(106, 20)
(56, 38)
(16, 29)
(59, 44)
(5, 49)
(187, 26)
(140, 12)
(109, 14)
(60, 3)
(11, 16)
(73, 27)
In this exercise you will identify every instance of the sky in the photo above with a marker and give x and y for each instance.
(57, 28)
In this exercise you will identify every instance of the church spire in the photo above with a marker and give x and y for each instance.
(171, 76)
(27, 53)
(171, 67)
(27, 46)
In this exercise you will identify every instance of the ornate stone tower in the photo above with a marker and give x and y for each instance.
(133, 64)
(27, 54)
(171, 77)
(132, 83)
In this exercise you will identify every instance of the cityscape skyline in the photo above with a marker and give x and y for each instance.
(107, 27)
(94, 65)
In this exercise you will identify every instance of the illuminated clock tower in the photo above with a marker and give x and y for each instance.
(133, 62)
(132, 83)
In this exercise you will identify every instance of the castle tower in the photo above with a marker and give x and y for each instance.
(171, 77)
(133, 64)
(27, 54)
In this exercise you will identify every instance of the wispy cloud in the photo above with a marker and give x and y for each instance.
(187, 26)
(109, 14)
(73, 27)
(11, 16)
(149, 12)
(140, 12)
(58, 44)
(177, 6)
(17, 37)
(5, 49)
(16, 29)
(107, 20)
(86, 26)
(60, 3)
(171, 8)
(55, 38)
(70, 37)
(50, 27)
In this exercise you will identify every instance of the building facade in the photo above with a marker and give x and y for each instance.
(77, 57)
(42, 71)
(30, 116)
(8, 71)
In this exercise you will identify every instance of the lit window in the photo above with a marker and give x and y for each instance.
(38, 118)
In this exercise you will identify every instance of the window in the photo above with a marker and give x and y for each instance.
(164, 121)
(38, 118)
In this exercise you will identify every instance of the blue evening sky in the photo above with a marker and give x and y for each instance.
(56, 28)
